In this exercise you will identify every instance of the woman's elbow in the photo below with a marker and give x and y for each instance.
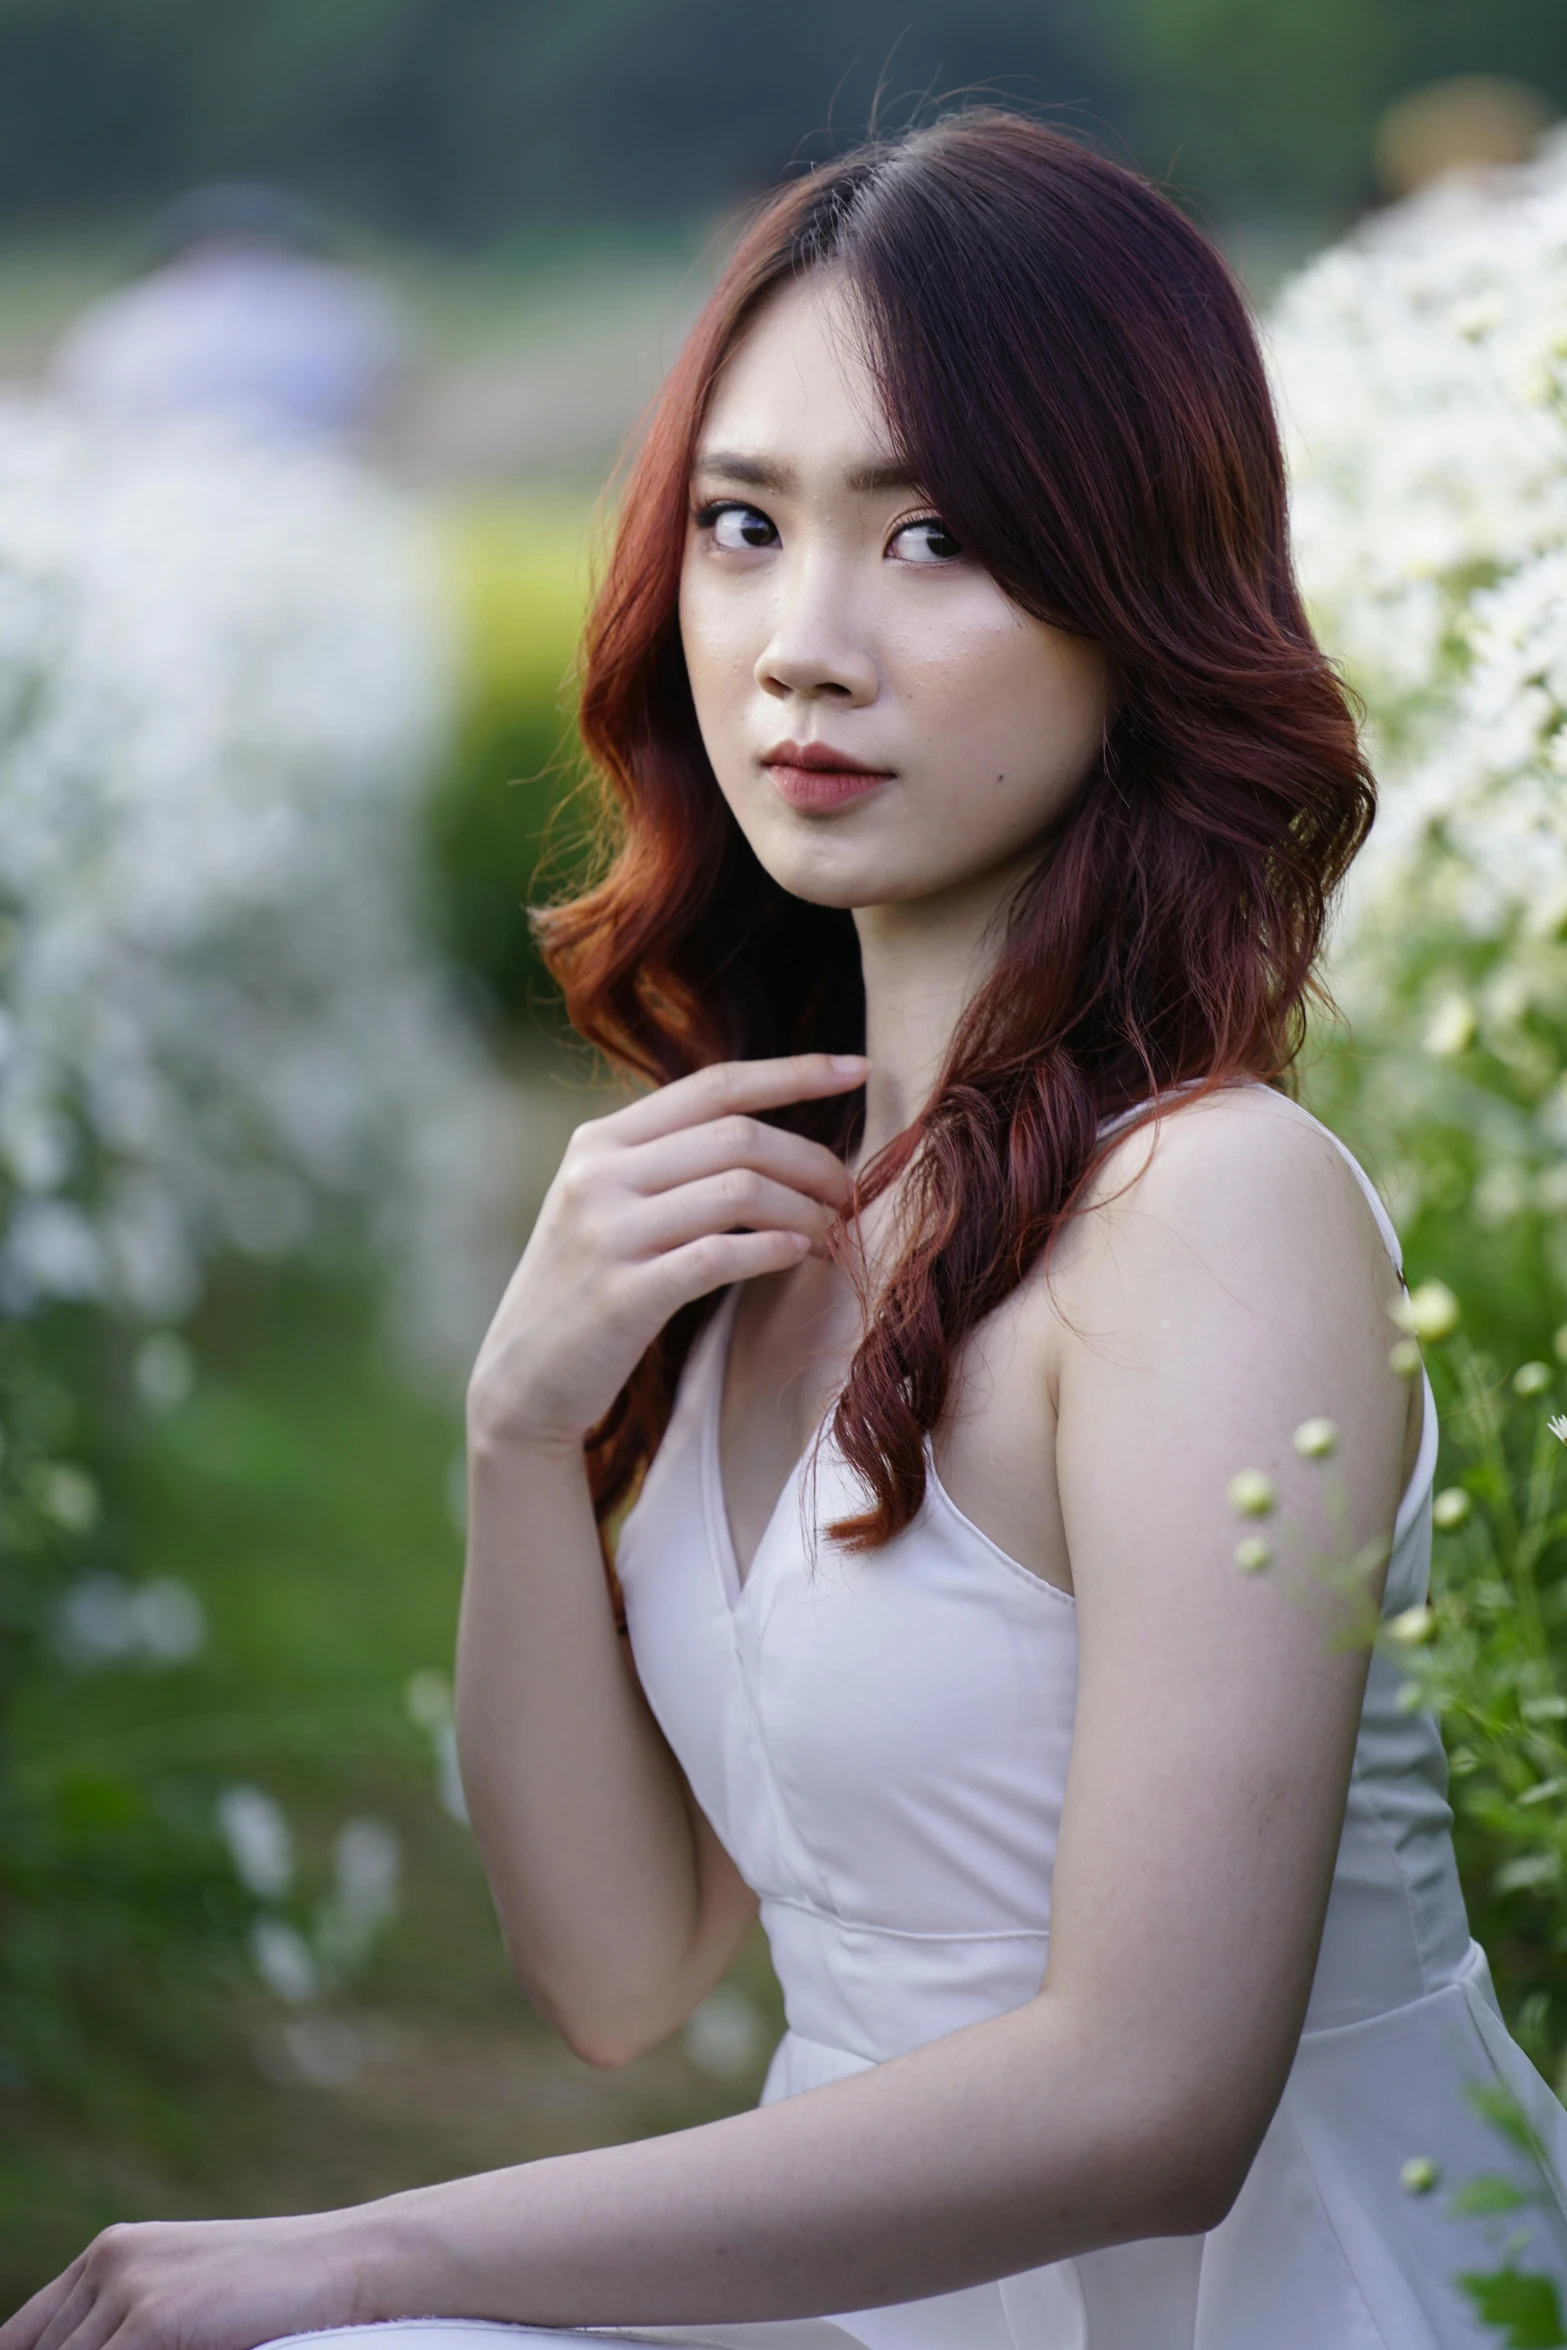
(604, 2032)
(607, 2050)
(1196, 2158)
(605, 2041)
(1203, 2198)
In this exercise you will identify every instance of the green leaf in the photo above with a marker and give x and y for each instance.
(1503, 2111)
(1524, 2309)
(1529, 1869)
(1481, 2198)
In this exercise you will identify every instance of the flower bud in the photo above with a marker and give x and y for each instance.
(1315, 1439)
(1411, 1626)
(1531, 1379)
(1252, 1554)
(1251, 1494)
(1430, 1312)
(1451, 1508)
(1419, 2175)
(1404, 1359)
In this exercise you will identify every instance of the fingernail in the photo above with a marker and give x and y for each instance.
(848, 1063)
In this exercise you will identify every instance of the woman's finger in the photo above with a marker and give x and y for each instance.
(737, 1200)
(730, 1086)
(87, 2326)
(24, 2330)
(717, 1260)
(69, 2314)
(738, 1141)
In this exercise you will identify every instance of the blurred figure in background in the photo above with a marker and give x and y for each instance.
(1469, 122)
(243, 315)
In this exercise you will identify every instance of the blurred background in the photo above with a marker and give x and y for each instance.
(320, 331)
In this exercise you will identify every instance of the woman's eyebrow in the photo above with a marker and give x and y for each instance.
(892, 474)
(764, 473)
(758, 473)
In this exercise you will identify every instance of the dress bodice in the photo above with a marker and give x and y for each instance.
(881, 1743)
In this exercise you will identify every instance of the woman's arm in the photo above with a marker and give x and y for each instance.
(618, 1905)
(1233, 1291)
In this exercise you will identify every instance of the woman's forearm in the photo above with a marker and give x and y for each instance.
(602, 1876)
(619, 1906)
(1017, 2141)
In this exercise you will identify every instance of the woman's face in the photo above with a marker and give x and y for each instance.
(885, 723)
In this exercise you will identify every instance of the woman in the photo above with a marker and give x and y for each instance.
(961, 715)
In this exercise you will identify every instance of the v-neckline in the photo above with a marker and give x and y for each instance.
(737, 1580)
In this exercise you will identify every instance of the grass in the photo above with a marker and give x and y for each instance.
(302, 1492)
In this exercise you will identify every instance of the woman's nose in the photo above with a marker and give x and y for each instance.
(813, 651)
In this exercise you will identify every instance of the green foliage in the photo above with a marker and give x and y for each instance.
(302, 1499)
(501, 825)
(1272, 109)
(100, 1871)
(1524, 2310)
(1493, 1671)
(478, 118)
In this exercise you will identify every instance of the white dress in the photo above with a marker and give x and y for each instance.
(881, 1743)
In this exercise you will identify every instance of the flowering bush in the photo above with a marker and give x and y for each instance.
(1422, 375)
(225, 687)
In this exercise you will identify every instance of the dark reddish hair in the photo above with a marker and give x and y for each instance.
(1068, 369)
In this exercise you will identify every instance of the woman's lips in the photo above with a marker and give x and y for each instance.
(815, 782)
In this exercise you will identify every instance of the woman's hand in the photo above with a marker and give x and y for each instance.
(684, 1192)
(200, 2285)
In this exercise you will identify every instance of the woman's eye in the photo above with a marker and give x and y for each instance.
(925, 541)
(738, 528)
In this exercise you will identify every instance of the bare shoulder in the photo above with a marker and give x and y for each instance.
(1245, 1149)
(1237, 1202)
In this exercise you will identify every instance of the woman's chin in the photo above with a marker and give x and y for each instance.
(846, 882)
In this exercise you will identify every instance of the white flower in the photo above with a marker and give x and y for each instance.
(428, 1698)
(104, 1620)
(449, 1789)
(368, 1863)
(1451, 1027)
(1557, 1425)
(164, 1370)
(69, 1496)
(368, 1866)
(169, 1622)
(284, 1960)
(259, 1842)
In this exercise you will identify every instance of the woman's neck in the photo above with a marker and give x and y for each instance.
(923, 963)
